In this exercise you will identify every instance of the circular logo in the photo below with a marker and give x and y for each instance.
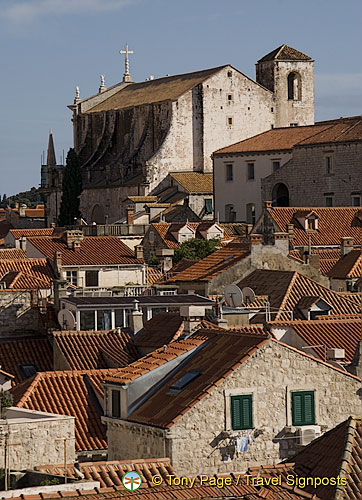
(132, 481)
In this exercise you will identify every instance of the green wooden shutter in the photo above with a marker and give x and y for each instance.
(242, 412)
(116, 404)
(303, 412)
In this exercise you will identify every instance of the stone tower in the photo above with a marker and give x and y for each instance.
(290, 75)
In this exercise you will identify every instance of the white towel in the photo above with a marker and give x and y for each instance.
(242, 444)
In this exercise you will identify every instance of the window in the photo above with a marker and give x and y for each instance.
(230, 121)
(208, 205)
(91, 278)
(294, 87)
(356, 201)
(116, 404)
(229, 172)
(276, 165)
(229, 97)
(250, 171)
(272, 110)
(230, 214)
(242, 412)
(250, 213)
(329, 201)
(294, 124)
(72, 277)
(230, 74)
(303, 409)
(328, 165)
(184, 381)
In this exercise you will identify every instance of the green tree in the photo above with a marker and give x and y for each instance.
(195, 249)
(6, 400)
(71, 189)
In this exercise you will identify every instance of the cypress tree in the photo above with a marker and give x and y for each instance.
(71, 190)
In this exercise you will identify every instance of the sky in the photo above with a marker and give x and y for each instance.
(48, 47)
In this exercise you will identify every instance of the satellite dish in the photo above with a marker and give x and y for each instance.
(233, 296)
(249, 295)
(66, 319)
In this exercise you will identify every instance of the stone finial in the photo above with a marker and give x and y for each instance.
(102, 87)
(77, 95)
(126, 77)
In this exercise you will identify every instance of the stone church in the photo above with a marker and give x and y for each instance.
(129, 137)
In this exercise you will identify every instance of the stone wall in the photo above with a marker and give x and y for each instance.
(17, 316)
(309, 163)
(37, 439)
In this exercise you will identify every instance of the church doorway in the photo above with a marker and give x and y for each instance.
(280, 195)
(97, 215)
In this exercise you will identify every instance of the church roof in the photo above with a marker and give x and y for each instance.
(285, 53)
(161, 89)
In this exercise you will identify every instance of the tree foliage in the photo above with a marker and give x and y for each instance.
(6, 400)
(71, 190)
(195, 249)
(30, 198)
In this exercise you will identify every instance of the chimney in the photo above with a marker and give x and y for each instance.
(192, 316)
(130, 216)
(268, 204)
(346, 245)
(58, 262)
(249, 228)
(165, 256)
(16, 206)
(22, 243)
(139, 252)
(315, 261)
(281, 241)
(290, 229)
(256, 239)
(136, 319)
(73, 239)
(22, 209)
(76, 246)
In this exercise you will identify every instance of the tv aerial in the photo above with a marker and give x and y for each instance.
(233, 296)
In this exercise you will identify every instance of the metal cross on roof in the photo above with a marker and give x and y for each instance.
(126, 77)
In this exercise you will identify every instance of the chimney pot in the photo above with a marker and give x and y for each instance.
(268, 204)
(256, 239)
(130, 216)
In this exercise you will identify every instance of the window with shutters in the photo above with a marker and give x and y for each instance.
(242, 412)
(303, 408)
(116, 404)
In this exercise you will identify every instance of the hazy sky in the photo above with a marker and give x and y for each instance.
(50, 46)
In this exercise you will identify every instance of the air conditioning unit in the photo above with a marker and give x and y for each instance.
(307, 433)
(335, 353)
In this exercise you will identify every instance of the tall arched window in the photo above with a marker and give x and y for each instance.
(294, 87)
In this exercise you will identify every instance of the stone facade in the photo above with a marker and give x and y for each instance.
(317, 187)
(202, 442)
(39, 438)
(130, 150)
(18, 316)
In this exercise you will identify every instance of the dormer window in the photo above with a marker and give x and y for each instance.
(184, 381)
(312, 224)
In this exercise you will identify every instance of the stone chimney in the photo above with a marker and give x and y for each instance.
(281, 241)
(315, 261)
(192, 316)
(130, 216)
(256, 239)
(346, 245)
(165, 256)
(73, 239)
(290, 229)
(268, 204)
(22, 209)
(22, 243)
(138, 252)
(136, 319)
(58, 262)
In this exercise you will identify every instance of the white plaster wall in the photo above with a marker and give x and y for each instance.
(110, 276)
(241, 191)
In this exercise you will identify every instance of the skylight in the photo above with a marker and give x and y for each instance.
(184, 381)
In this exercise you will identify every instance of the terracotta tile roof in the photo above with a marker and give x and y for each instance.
(160, 330)
(214, 264)
(25, 351)
(354, 296)
(328, 258)
(276, 139)
(157, 358)
(341, 131)
(195, 182)
(215, 360)
(94, 250)
(341, 334)
(69, 393)
(152, 275)
(232, 229)
(182, 265)
(12, 253)
(141, 199)
(333, 224)
(39, 211)
(162, 229)
(285, 53)
(110, 473)
(337, 453)
(26, 274)
(159, 90)
(95, 350)
(19, 233)
(349, 266)
(286, 288)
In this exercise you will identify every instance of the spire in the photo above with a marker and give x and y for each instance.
(77, 95)
(51, 159)
(126, 77)
(102, 88)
